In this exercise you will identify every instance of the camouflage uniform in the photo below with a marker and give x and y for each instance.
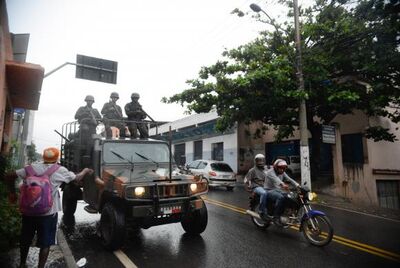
(112, 117)
(88, 119)
(135, 113)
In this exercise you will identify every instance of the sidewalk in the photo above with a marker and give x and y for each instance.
(59, 256)
(346, 204)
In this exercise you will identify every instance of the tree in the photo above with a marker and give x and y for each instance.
(31, 153)
(351, 60)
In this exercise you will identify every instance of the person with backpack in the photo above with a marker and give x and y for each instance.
(40, 202)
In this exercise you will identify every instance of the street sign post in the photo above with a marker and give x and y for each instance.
(91, 68)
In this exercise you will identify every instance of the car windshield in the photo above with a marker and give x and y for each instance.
(114, 153)
(221, 167)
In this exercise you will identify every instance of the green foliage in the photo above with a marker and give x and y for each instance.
(31, 153)
(351, 60)
(379, 133)
(10, 218)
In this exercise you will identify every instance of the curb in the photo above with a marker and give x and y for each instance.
(68, 257)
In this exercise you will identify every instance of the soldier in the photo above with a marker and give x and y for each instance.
(88, 118)
(112, 116)
(135, 113)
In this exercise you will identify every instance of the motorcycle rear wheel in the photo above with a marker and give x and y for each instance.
(322, 234)
(261, 224)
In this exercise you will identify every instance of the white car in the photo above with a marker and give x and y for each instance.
(218, 173)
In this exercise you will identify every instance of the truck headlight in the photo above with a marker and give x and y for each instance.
(193, 187)
(139, 191)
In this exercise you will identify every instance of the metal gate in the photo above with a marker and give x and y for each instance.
(388, 193)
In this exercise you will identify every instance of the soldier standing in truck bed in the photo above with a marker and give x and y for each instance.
(88, 118)
(135, 115)
(112, 116)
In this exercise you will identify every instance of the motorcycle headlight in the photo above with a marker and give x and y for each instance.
(311, 196)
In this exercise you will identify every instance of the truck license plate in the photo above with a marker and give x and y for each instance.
(171, 209)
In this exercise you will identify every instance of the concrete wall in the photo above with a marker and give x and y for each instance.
(358, 182)
(5, 54)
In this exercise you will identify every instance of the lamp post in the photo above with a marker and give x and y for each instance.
(304, 151)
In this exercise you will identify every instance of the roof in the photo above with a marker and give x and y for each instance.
(24, 82)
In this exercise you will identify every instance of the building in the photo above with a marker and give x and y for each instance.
(351, 166)
(20, 82)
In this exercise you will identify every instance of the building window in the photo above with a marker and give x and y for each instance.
(352, 149)
(198, 150)
(180, 155)
(217, 151)
(388, 193)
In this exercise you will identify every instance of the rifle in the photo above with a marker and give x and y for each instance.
(62, 136)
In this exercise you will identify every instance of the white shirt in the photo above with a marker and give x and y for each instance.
(57, 178)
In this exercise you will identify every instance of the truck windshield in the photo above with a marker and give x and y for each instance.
(158, 152)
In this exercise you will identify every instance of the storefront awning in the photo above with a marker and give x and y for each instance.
(24, 82)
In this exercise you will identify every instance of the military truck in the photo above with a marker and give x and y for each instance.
(135, 185)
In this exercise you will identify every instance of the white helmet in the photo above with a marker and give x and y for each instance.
(259, 160)
(280, 163)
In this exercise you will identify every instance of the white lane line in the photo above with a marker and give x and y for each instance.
(357, 212)
(124, 259)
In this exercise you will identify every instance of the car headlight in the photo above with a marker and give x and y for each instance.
(139, 191)
(193, 187)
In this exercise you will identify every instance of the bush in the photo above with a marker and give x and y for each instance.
(10, 218)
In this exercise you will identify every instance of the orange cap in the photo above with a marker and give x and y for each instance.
(50, 155)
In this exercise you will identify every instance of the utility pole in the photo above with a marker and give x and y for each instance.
(304, 150)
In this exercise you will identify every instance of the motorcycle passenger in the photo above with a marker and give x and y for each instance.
(277, 184)
(255, 180)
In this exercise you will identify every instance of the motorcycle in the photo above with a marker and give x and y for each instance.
(314, 224)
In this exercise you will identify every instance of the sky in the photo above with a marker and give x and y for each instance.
(158, 46)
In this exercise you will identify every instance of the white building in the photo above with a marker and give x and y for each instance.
(194, 137)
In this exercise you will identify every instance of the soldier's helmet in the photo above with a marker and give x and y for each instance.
(114, 95)
(89, 98)
(135, 96)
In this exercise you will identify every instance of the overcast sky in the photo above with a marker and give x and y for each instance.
(158, 46)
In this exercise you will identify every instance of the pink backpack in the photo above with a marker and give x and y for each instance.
(35, 192)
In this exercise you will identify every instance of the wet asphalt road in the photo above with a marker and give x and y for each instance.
(231, 240)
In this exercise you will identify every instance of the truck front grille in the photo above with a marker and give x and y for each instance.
(166, 191)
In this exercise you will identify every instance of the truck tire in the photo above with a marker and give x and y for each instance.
(69, 200)
(112, 227)
(195, 222)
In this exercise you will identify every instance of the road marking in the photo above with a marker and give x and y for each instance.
(357, 212)
(124, 259)
(338, 239)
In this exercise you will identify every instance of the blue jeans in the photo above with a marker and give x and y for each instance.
(278, 199)
(262, 193)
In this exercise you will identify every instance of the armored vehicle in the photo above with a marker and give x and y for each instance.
(133, 186)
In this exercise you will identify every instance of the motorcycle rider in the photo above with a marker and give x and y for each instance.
(255, 180)
(277, 184)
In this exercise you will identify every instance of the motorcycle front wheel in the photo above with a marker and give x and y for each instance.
(261, 224)
(318, 230)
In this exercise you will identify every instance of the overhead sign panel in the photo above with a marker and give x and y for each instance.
(96, 69)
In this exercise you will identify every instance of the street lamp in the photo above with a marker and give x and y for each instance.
(304, 151)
